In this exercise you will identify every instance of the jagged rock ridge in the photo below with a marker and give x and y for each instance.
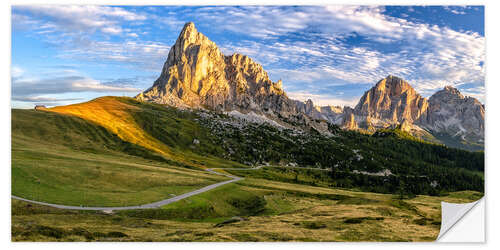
(392, 102)
(197, 74)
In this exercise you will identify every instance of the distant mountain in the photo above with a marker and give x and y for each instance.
(446, 117)
(198, 75)
(453, 115)
(392, 99)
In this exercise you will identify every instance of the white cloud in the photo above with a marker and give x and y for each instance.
(148, 56)
(44, 99)
(16, 71)
(430, 56)
(58, 85)
(74, 18)
(266, 21)
(30, 88)
(112, 30)
(457, 10)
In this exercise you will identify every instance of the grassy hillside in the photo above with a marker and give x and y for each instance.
(167, 131)
(64, 159)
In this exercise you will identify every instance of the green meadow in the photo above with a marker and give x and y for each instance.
(66, 160)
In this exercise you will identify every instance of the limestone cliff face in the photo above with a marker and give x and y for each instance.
(349, 121)
(331, 109)
(333, 114)
(197, 74)
(392, 99)
(392, 102)
(193, 75)
(452, 113)
(405, 126)
(307, 108)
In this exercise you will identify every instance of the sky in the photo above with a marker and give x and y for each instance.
(63, 54)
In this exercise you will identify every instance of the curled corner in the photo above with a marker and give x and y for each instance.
(451, 213)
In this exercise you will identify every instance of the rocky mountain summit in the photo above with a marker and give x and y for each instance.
(451, 113)
(392, 99)
(198, 75)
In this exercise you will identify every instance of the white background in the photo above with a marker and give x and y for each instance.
(492, 136)
(471, 228)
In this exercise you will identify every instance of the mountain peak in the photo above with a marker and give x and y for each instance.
(189, 26)
(392, 98)
(198, 75)
(449, 88)
(394, 77)
(394, 81)
(190, 35)
(451, 112)
(452, 90)
(448, 92)
(393, 85)
(188, 32)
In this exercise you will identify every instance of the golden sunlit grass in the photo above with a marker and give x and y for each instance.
(116, 117)
(129, 120)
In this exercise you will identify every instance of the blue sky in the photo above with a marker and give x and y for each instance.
(64, 54)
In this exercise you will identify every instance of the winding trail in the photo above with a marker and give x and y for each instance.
(154, 204)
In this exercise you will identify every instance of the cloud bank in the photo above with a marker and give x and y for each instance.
(311, 48)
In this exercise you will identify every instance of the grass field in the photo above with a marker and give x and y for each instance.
(90, 168)
(266, 210)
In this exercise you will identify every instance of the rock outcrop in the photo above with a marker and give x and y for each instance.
(451, 113)
(392, 99)
(333, 114)
(405, 125)
(349, 121)
(197, 75)
(392, 102)
(193, 75)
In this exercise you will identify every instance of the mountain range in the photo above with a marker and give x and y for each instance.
(198, 75)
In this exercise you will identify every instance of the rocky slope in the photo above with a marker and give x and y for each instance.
(451, 113)
(198, 75)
